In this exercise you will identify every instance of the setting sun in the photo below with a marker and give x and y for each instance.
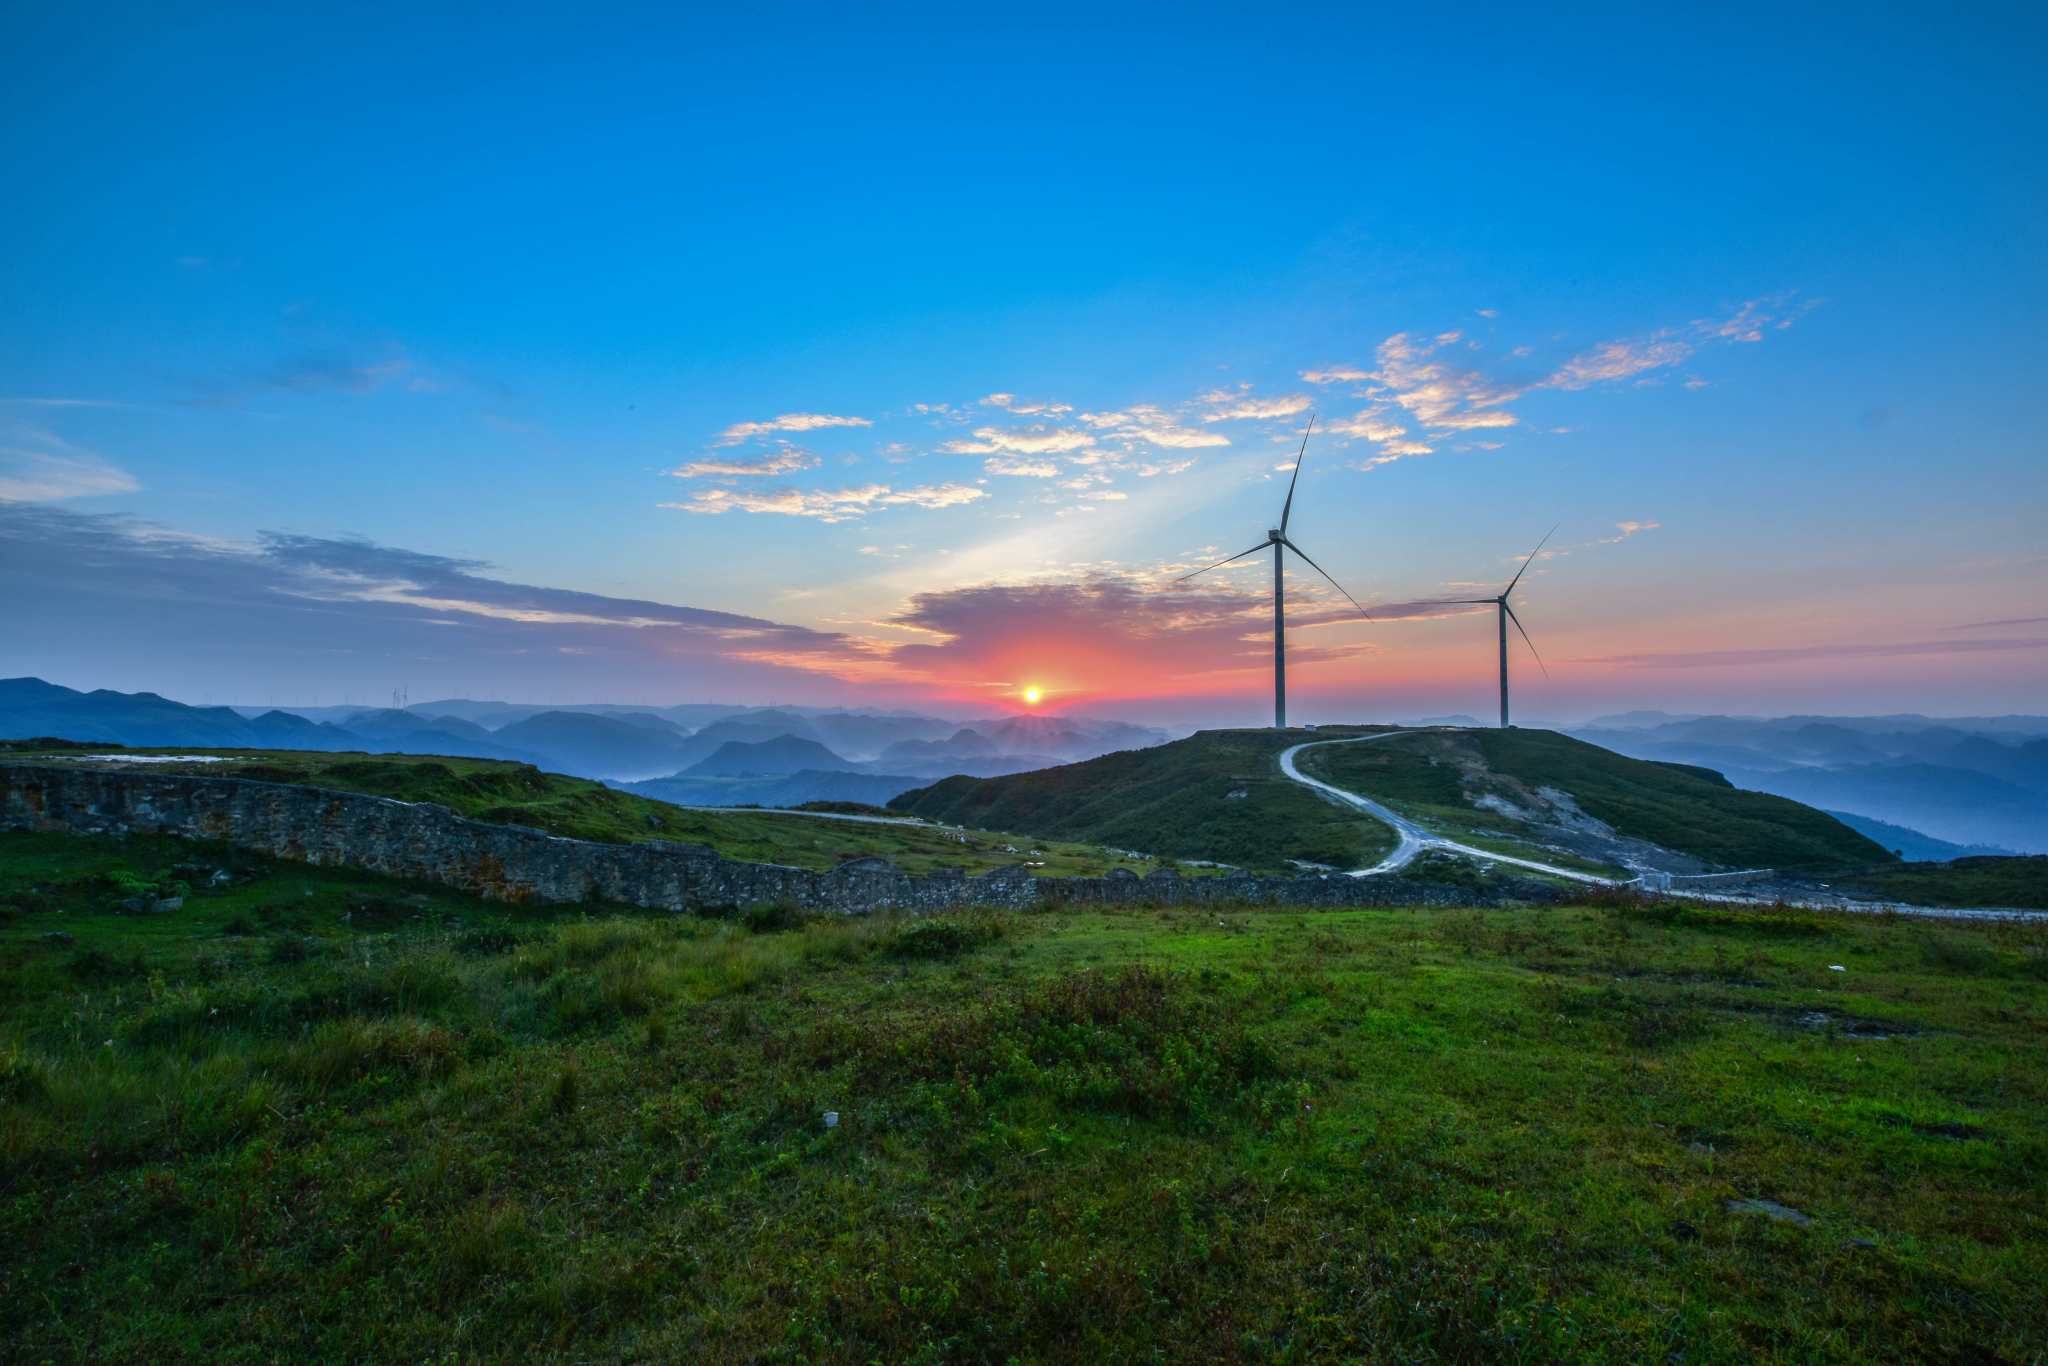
(1031, 694)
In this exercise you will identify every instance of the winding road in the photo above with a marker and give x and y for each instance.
(1413, 838)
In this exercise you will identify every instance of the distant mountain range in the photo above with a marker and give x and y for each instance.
(718, 753)
(1979, 784)
(1976, 784)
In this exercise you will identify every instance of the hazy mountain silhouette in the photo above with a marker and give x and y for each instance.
(1963, 781)
(783, 755)
(595, 746)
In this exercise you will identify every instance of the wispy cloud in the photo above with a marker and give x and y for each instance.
(1466, 422)
(1618, 360)
(313, 373)
(1447, 384)
(332, 607)
(32, 477)
(829, 505)
(1423, 610)
(1370, 424)
(1023, 465)
(1709, 659)
(1226, 406)
(1748, 323)
(1103, 626)
(65, 402)
(781, 462)
(1038, 440)
(1010, 403)
(1985, 625)
(1154, 425)
(788, 422)
(1425, 392)
(39, 466)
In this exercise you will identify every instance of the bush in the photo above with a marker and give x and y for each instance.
(347, 1051)
(773, 917)
(848, 809)
(568, 1087)
(289, 949)
(1957, 955)
(91, 965)
(1134, 1042)
(487, 941)
(937, 939)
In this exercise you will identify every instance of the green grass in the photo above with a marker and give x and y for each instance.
(578, 808)
(1985, 880)
(1666, 804)
(1173, 800)
(321, 1116)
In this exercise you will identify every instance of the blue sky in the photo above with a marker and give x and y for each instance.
(1752, 297)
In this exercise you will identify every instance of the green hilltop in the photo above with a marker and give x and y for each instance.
(1437, 776)
(1217, 795)
(1220, 795)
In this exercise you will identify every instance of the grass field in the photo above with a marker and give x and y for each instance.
(579, 808)
(320, 1116)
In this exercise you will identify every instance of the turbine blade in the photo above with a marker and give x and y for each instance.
(1220, 563)
(1525, 637)
(1288, 507)
(1333, 583)
(1526, 563)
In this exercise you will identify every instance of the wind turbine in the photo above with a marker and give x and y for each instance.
(1277, 538)
(1507, 614)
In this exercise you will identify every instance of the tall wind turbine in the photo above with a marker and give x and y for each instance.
(1507, 614)
(1277, 538)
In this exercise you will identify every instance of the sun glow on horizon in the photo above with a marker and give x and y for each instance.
(1031, 695)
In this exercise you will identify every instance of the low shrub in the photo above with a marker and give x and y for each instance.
(1957, 955)
(1135, 1042)
(940, 940)
(347, 1051)
(773, 917)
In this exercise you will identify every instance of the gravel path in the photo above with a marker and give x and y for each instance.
(1413, 838)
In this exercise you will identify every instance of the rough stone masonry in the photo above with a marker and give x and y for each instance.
(518, 864)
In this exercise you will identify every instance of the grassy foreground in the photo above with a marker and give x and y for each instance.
(319, 1116)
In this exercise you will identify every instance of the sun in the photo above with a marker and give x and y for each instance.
(1031, 694)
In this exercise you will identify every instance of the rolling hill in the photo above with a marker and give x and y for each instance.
(1219, 795)
(1216, 796)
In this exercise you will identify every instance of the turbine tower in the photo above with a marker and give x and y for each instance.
(1506, 614)
(1277, 538)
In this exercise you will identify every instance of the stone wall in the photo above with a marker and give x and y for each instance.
(1668, 882)
(517, 864)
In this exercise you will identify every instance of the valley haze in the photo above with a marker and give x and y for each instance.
(1928, 787)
